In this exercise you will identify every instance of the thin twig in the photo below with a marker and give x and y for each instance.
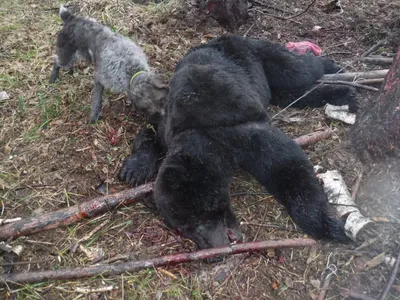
(95, 290)
(337, 52)
(373, 48)
(325, 287)
(355, 295)
(392, 278)
(270, 7)
(30, 262)
(304, 95)
(268, 226)
(303, 12)
(278, 17)
(356, 186)
(356, 85)
(233, 271)
(250, 194)
(250, 28)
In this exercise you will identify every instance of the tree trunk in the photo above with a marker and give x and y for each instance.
(376, 133)
(229, 13)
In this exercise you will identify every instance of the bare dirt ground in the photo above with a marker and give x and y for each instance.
(51, 158)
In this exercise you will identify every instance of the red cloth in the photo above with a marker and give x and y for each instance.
(304, 47)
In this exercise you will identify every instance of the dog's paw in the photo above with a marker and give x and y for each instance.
(94, 120)
(137, 170)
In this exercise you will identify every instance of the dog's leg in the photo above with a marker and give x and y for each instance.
(55, 72)
(97, 97)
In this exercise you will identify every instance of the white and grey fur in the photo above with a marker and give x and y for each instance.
(116, 59)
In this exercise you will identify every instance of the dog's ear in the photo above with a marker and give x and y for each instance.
(160, 82)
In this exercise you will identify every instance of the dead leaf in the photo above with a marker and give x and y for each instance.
(376, 261)
(4, 96)
(93, 253)
(315, 283)
(275, 285)
(271, 253)
(312, 255)
(4, 185)
(289, 282)
(57, 122)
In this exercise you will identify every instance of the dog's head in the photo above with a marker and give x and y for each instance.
(147, 93)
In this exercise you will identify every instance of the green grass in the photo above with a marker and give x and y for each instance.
(10, 27)
(8, 82)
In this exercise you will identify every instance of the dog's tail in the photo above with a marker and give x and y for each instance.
(65, 14)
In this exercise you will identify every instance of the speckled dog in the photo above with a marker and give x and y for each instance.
(120, 65)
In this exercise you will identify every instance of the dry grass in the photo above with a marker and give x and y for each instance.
(50, 158)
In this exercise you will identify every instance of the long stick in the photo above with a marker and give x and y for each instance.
(353, 76)
(133, 266)
(73, 214)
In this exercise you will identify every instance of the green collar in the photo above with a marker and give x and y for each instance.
(136, 74)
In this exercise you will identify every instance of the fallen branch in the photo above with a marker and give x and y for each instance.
(70, 215)
(355, 84)
(356, 75)
(313, 137)
(377, 60)
(133, 266)
(392, 278)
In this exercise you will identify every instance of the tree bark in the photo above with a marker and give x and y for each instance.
(376, 134)
(229, 13)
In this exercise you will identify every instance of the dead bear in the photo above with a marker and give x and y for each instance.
(216, 121)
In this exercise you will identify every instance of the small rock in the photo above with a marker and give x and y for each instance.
(289, 282)
(38, 211)
(4, 96)
(315, 283)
